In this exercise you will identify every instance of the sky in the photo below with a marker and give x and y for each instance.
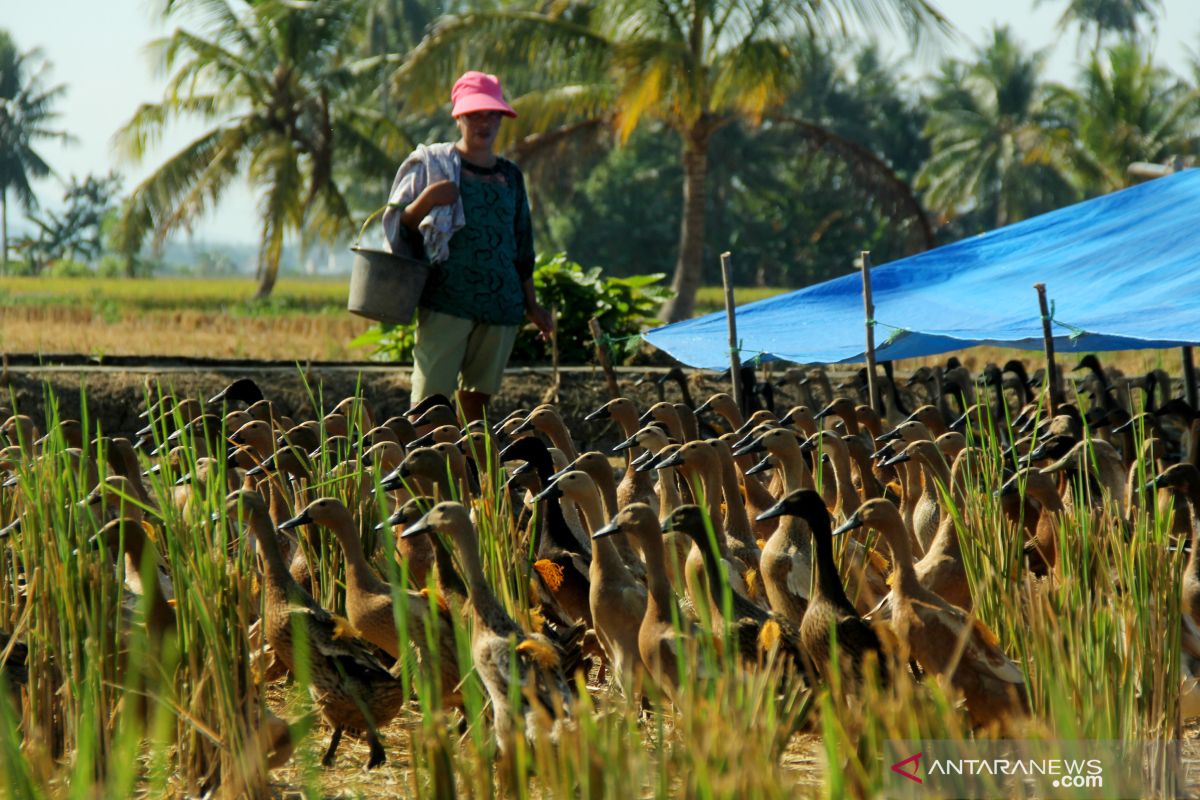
(98, 49)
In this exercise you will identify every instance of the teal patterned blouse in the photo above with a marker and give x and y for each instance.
(492, 255)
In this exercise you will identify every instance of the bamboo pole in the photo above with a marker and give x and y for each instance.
(1048, 344)
(864, 264)
(735, 359)
(610, 377)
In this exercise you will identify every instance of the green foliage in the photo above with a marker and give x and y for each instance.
(624, 307)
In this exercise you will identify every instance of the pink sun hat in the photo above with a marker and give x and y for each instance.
(478, 91)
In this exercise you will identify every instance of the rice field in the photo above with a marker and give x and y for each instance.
(117, 705)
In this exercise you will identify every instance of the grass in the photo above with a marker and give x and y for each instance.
(1099, 645)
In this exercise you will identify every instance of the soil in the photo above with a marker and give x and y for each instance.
(115, 397)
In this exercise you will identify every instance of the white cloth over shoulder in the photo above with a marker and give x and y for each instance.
(427, 164)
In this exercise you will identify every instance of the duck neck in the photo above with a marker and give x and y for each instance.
(712, 499)
(278, 578)
(848, 499)
(160, 614)
(737, 522)
(659, 597)
(561, 437)
(668, 492)
(359, 575)
(829, 583)
(731, 413)
(905, 580)
(796, 474)
(487, 608)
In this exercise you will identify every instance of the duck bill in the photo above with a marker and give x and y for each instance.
(765, 465)
(607, 530)
(774, 511)
(625, 445)
(643, 459)
(419, 528)
(899, 458)
(849, 525)
(602, 412)
(393, 520)
(525, 427)
(302, 518)
(551, 492)
(750, 448)
(705, 406)
(889, 436)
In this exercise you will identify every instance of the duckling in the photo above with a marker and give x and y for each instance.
(759, 634)
(544, 695)
(354, 691)
(828, 607)
(369, 601)
(944, 639)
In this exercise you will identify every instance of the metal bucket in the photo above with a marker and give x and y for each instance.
(386, 286)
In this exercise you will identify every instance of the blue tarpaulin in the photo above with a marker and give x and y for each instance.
(1122, 272)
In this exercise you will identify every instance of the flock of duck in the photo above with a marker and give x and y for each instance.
(820, 538)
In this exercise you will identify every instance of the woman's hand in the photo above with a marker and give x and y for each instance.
(541, 318)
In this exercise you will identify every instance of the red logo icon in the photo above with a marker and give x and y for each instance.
(915, 760)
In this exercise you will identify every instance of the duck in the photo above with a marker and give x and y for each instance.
(634, 487)
(369, 601)
(944, 639)
(663, 631)
(935, 478)
(617, 598)
(759, 635)
(830, 614)
(544, 697)
(547, 419)
(351, 687)
(1041, 550)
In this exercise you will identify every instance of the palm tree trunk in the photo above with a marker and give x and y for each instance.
(689, 267)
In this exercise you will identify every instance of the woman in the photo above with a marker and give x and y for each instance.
(466, 209)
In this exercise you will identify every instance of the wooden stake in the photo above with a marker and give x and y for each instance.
(557, 379)
(610, 377)
(735, 359)
(1189, 376)
(1048, 344)
(864, 263)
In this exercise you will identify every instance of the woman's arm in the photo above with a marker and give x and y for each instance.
(441, 193)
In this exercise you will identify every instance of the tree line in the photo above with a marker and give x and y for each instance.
(654, 133)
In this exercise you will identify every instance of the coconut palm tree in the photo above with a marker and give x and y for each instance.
(290, 113)
(1130, 109)
(1099, 17)
(1001, 137)
(692, 66)
(26, 117)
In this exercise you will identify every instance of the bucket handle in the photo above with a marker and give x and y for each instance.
(374, 215)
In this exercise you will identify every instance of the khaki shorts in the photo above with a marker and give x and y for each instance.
(455, 353)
